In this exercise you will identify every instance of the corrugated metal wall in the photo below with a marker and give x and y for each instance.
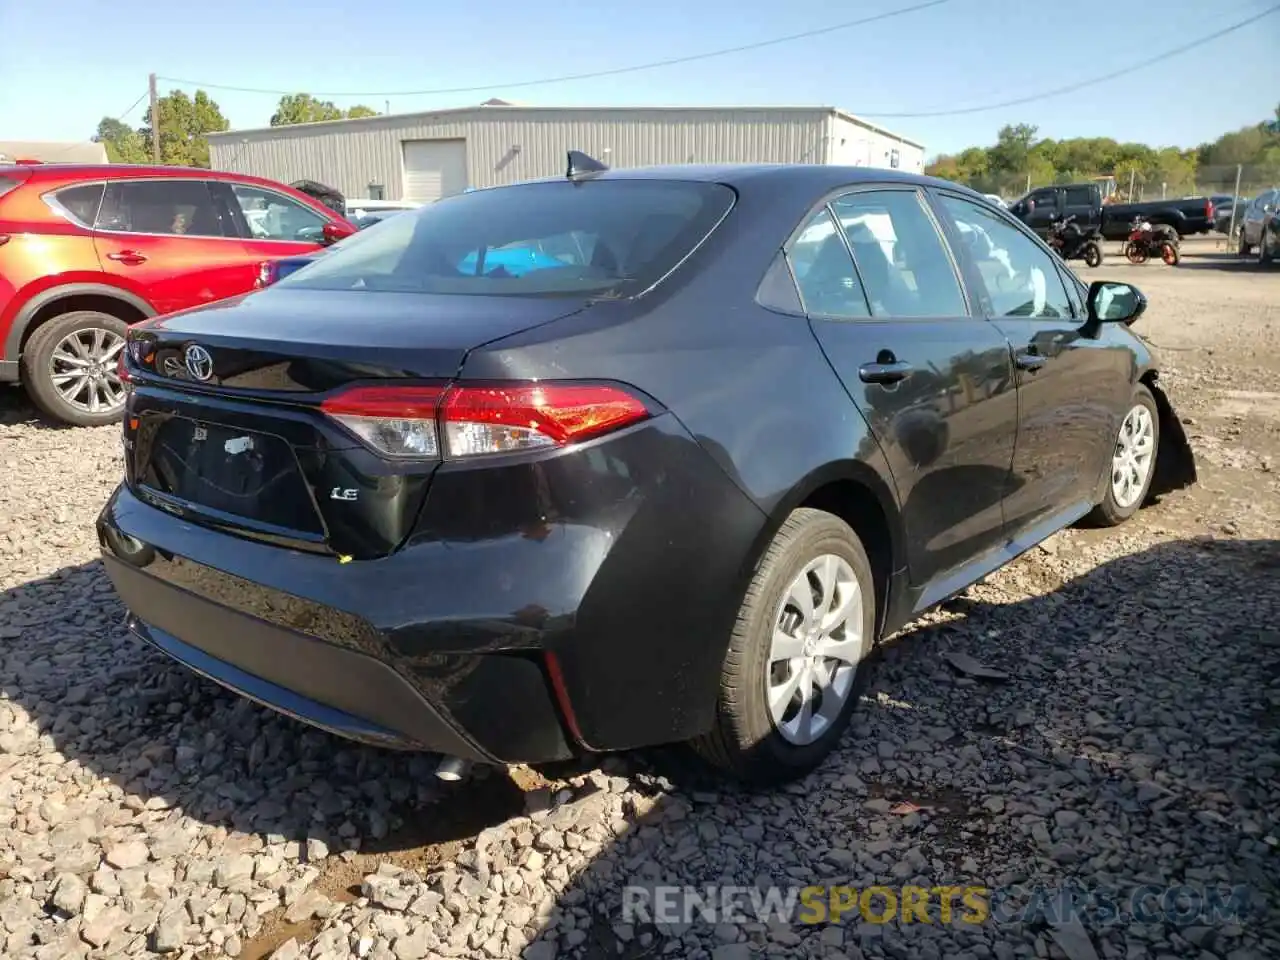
(507, 144)
(854, 145)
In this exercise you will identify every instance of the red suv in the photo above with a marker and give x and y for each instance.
(87, 250)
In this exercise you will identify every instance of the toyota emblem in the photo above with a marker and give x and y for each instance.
(198, 362)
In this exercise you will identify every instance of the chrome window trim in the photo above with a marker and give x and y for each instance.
(50, 199)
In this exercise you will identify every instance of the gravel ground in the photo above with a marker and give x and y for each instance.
(1128, 737)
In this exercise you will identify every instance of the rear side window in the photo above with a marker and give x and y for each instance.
(81, 202)
(161, 207)
(602, 238)
(8, 183)
(824, 271)
(900, 256)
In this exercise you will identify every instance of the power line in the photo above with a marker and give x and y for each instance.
(119, 118)
(654, 65)
(1080, 85)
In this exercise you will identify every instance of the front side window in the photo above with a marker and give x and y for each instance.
(1044, 199)
(1020, 278)
(161, 207)
(900, 256)
(607, 237)
(273, 216)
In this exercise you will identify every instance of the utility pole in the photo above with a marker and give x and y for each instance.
(1132, 172)
(155, 120)
(1235, 202)
(387, 104)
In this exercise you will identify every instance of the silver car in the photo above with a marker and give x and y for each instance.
(1260, 230)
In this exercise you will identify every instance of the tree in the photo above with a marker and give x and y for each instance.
(1018, 156)
(184, 122)
(304, 108)
(124, 144)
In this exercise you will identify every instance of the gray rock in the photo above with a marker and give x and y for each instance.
(69, 892)
(123, 856)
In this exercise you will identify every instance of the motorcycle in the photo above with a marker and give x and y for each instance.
(1147, 240)
(1074, 243)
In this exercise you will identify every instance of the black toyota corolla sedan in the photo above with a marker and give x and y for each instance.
(622, 458)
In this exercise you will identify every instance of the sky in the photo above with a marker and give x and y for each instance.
(57, 84)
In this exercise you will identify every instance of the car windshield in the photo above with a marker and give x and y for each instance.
(610, 238)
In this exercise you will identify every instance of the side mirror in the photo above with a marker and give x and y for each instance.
(1269, 208)
(334, 231)
(1111, 302)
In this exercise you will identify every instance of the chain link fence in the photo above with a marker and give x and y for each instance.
(1133, 185)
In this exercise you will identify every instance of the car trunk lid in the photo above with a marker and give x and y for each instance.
(224, 425)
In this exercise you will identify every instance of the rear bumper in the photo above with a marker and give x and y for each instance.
(542, 608)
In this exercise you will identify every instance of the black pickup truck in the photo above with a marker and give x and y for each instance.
(1042, 206)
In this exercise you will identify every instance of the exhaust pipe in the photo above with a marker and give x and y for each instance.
(452, 769)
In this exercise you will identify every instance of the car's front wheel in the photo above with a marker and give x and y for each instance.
(69, 368)
(797, 659)
(1133, 462)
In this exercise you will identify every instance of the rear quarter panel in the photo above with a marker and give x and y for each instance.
(40, 254)
(754, 390)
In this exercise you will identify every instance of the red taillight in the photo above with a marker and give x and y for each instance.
(1208, 209)
(122, 372)
(459, 422)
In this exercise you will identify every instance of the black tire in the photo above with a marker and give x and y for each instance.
(1092, 255)
(1109, 513)
(37, 373)
(1264, 251)
(1170, 255)
(744, 741)
(1245, 249)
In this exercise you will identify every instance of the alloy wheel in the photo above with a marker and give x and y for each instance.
(814, 653)
(1131, 464)
(82, 369)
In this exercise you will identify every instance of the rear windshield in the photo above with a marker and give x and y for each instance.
(601, 238)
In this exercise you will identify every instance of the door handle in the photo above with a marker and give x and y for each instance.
(131, 257)
(1031, 362)
(885, 373)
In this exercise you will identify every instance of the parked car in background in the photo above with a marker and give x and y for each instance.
(365, 213)
(1222, 215)
(1258, 227)
(86, 250)
(1040, 208)
(622, 458)
(997, 200)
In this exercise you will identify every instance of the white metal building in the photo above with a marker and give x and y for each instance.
(425, 156)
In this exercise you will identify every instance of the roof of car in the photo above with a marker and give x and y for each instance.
(820, 176)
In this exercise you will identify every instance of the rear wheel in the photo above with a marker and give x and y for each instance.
(69, 368)
(1092, 254)
(1244, 248)
(1169, 254)
(1264, 251)
(1133, 462)
(797, 658)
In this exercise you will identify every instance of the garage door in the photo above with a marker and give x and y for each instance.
(434, 169)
